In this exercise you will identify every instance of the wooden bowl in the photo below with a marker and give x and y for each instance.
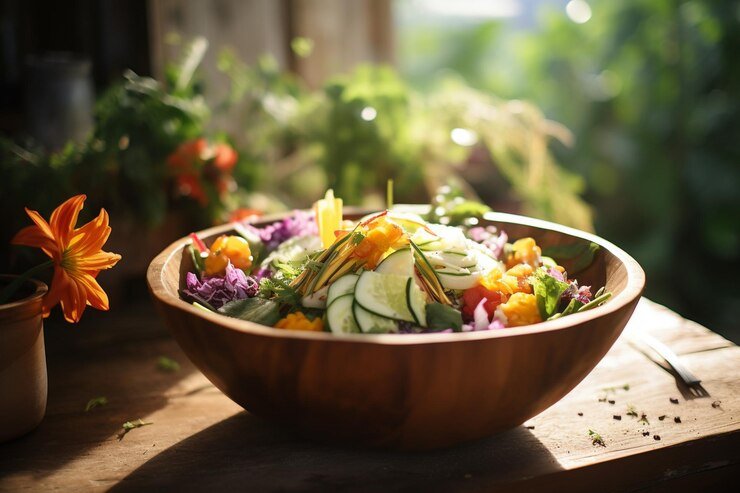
(414, 391)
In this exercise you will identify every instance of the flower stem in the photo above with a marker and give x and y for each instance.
(16, 283)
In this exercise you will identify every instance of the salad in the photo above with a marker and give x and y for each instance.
(389, 272)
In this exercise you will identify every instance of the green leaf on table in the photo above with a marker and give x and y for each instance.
(131, 425)
(547, 292)
(96, 402)
(580, 254)
(443, 317)
(167, 364)
(257, 310)
(596, 438)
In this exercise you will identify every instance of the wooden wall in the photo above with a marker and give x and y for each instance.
(344, 32)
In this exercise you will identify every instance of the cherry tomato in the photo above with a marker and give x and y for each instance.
(472, 296)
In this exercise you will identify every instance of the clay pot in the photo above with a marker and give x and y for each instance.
(23, 381)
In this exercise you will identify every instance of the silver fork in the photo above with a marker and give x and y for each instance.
(641, 339)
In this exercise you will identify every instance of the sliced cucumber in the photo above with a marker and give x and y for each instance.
(340, 317)
(384, 295)
(340, 287)
(399, 262)
(457, 281)
(416, 301)
(371, 323)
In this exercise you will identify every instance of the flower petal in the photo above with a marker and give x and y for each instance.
(91, 237)
(58, 287)
(94, 294)
(98, 261)
(64, 219)
(33, 236)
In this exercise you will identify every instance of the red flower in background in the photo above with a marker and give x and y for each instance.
(196, 164)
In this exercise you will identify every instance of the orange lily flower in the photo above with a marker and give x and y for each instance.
(76, 254)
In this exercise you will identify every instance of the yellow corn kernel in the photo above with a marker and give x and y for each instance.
(521, 309)
(299, 321)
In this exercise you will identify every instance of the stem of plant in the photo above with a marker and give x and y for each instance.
(16, 283)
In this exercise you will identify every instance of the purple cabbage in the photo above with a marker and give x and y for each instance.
(481, 321)
(301, 223)
(490, 238)
(219, 290)
(582, 293)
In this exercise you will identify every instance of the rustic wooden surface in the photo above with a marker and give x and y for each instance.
(200, 440)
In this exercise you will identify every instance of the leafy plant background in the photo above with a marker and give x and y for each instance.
(651, 92)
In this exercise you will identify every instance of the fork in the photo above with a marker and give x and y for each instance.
(640, 338)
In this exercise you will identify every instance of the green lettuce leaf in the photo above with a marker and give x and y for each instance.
(443, 317)
(547, 291)
(257, 310)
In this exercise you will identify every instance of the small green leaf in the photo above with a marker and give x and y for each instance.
(547, 291)
(596, 438)
(96, 402)
(443, 317)
(167, 364)
(257, 310)
(130, 425)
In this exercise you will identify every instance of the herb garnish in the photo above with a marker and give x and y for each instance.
(673, 400)
(615, 388)
(617, 417)
(96, 402)
(716, 404)
(130, 425)
(676, 419)
(631, 411)
(662, 417)
(596, 438)
(168, 365)
(643, 419)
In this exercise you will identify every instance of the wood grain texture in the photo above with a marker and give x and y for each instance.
(202, 441)
(410, 391)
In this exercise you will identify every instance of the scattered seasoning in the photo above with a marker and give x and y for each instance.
(96, 402)
(662, 417)
(612, 401)
(130, 425)
(716, 404)
(602, 399)
(656, 437)
(168, 365)
(631, 411)
(530, 427)
(677, 419)
(674, 400)
(596, 438)
(645, 433)
(617, 417)
(643, 419)
(580, 414)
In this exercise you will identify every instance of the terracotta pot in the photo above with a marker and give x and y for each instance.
(23, 383)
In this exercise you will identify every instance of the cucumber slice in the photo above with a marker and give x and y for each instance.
(371, 323)
(340, 287)
(399, 262)
(340, 317)
(384, 295)
(416, 301)
(457, 281)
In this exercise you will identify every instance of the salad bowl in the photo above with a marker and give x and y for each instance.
(403, 391)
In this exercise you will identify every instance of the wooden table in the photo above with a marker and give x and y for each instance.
(200, 440)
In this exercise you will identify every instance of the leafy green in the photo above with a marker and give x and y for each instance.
(257, 310)
(256, 245)
(547, 291)
(130, 425)
(449, 206)
(443, 317)
(581, 254)
(167, 364)
(280, 290)
(198, 260)
(96, 402)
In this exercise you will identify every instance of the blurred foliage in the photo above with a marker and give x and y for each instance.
(651, 90)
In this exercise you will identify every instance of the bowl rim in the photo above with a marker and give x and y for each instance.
(632, 290)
